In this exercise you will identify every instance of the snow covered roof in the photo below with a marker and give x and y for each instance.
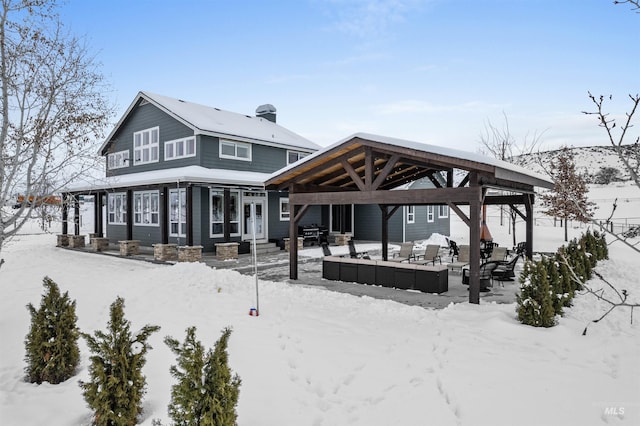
(181, 174)
(205, 120)
(502, 167)
(455, 158)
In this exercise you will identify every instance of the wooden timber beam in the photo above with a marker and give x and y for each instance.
(460, 213)
(355, 177)
(391, 162)
(407, 197)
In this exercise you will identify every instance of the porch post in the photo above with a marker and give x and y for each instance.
(164, 214)
(226, 226)
(76, 216)
(130, 208)
(99, 226)
(65, 213)
(189, 215)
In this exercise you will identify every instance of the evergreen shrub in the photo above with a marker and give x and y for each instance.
(117, 384)
(52, 353)
(206, 393)
(535, 300)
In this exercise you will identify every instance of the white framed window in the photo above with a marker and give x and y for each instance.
(117, 208)
(235, 150)
(180, 148)
(293, 156)
(284, 209)
(217, 213)
(178, 212)
(146, 208)
(430, 214)
(118, 160)
(411, 214)
(443, 212)
(146, 146)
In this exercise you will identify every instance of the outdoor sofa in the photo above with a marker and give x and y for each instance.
(410, 276)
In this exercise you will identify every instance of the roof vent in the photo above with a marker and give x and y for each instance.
(267, 111)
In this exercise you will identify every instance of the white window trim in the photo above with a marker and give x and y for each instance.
(123, 202)
(238, 213)
(142, 217)
(235, 145)
(174, 143)
(431, 216)
(179, 191)
(443, 212)
(284, 216)
(118, 160)
(300, 155)
(150, 146)
(411, 214)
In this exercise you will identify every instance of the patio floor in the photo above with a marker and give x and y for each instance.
(275, 267)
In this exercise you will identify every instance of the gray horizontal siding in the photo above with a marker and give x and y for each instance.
(264, 159)
(280, 228)
(146, 117)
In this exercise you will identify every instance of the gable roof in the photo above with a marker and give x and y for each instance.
(210, 121)
(412, 161)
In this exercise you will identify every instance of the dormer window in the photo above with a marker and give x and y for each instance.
(146, 146)
(235, 150)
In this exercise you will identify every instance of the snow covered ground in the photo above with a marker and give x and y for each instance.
(315, 357)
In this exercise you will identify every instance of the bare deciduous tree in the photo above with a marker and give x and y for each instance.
(498, 142)
(53, 107)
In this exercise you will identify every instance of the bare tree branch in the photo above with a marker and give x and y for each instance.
(617, 142)
(600, 293)
(635, 4)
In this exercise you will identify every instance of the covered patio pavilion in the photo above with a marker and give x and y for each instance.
(365, 168)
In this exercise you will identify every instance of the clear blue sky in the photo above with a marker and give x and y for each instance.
(432, 71)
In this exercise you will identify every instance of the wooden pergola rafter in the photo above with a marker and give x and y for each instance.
(365, 168)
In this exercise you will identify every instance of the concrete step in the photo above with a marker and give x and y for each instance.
(266, 248)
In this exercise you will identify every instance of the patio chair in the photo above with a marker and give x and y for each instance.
(463, 258)
(405, 254)
(505, 270)
(453, 248)
(357, 254)
(431, 254)
(499, 254)
(325, 249)
(521, 248)
(486, 275)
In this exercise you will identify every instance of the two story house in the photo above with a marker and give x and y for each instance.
(184, 173)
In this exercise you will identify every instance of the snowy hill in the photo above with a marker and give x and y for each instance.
(588, 160)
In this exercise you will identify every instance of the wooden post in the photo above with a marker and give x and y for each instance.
(293, 236)
(385, 232)
(528, 206)
(474, 240)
